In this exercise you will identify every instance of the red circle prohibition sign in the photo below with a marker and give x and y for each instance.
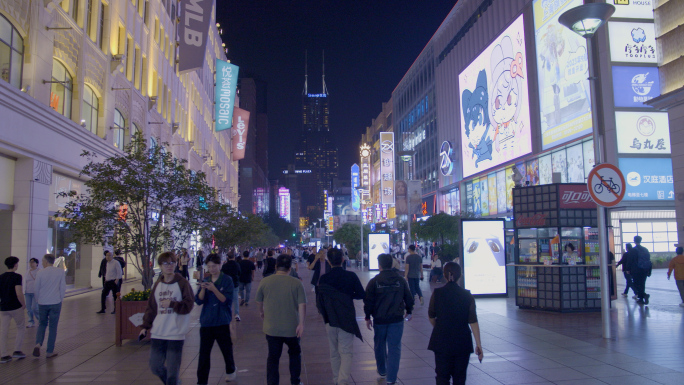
(606, 185)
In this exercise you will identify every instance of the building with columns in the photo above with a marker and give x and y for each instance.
(86, 75)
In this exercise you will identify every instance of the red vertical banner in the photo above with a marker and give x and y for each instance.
(239, 132)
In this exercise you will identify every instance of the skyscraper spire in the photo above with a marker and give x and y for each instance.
(306, 73)
(325, 88)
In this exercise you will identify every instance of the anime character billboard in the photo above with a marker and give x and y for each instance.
(495, 115)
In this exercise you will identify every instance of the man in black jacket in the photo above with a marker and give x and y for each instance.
(232, 269)
(337, 291)
(388, 300)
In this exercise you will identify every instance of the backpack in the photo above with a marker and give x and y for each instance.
(643, 258)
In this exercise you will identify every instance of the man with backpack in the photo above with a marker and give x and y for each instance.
(641, 269)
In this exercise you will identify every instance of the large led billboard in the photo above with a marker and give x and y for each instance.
(377, 244)
(495, 115)
(562, 70)
(484, 256)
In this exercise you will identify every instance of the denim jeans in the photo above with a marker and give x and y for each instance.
(49, 316)
(209, 334)
(31, 307)
(275, 350)
(245, 287)
(165, 359)
(387, 341)
(414, 286)
(236, 304)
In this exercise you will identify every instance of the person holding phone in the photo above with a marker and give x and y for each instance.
(167, 318)
(453, 316)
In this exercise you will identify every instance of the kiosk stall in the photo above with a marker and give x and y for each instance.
(548, 218)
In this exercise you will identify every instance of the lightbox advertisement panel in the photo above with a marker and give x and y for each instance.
(634, 86)
(632, 42)
(648, 179)
(226, 85)
(642, 132)
(634, 9)
(495, 115)
(562, 70)
(484, 256)
(377, 244)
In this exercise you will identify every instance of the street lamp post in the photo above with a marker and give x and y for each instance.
(407, 157)
(585, 20)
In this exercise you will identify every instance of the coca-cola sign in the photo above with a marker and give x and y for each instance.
(536, 220)
(575, 197)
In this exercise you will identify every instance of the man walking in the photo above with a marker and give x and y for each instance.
(49, 290)
(232, 269)
(269, 264)
(388, 301)
(247, 270)
(337, 291)
(260, 259)
(414, 272)
(677, 264)
(641, 269)
(12, 304)
(112, 276)
(282, 306)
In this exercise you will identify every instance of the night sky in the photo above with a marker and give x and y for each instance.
(369, 46)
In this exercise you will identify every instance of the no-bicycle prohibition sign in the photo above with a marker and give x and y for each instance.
(606, 185)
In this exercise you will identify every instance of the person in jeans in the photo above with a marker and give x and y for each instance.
(216, 294)
(232, 269)
(31, 304)
(167, 318)
(677, 264)
(453, 316)
(49, 290)
(627, 262)
(247, 270)
(113, 274)
(414, 272)
(335, 301)
(388, 301)
(282, 306)
(12, 305)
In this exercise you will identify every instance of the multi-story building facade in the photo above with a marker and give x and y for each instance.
(374, 210)
(85, 75)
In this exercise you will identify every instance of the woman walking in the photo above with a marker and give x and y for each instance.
(31, 303)
(451, 311)
(216, 294)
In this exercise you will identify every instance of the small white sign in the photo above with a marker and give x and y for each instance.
(632, 42)
(634, 9)
(136, 319)
(643, 132)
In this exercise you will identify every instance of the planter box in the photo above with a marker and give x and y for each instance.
(125, 329)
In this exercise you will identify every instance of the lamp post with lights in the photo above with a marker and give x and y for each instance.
(585, 20)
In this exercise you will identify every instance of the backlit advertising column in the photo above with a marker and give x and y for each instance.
(495, 115)
(484, 256)
(387, 167)
(377, 244)
(562, 68)
(239, 133)
(224, 99)
(355, 181)
(284, 203)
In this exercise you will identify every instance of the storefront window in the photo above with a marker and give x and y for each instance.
(11, 53)
(60, 92)
(61, 244)
(657, 236)
(118, 130)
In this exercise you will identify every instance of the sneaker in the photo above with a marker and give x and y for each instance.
(36, 351)
(5, 359)
(18, 355)
(100, 312)
(634, 297)
(422, 302)
(382, 375)
(242, 302)
(30, 325)
(232, 376)
(237, 318)
(50, 355)
(646, 297)
(624, 294)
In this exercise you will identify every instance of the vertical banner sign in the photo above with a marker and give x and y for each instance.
(355, 179)
(387, 167)
(193, 30)
(284, 203)
(239, 132)
(226, 83)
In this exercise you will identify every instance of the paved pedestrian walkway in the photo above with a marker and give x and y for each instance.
(521, 346)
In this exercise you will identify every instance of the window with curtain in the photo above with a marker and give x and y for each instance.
(119, 129)
(11, 53)
(60, 92)
(91, 106)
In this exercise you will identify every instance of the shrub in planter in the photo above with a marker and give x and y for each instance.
(129, 311)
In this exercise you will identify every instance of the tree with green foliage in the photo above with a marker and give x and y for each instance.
(349, 234)
(231, 229)
(142, 201)
(442, 228)
(284, 230)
